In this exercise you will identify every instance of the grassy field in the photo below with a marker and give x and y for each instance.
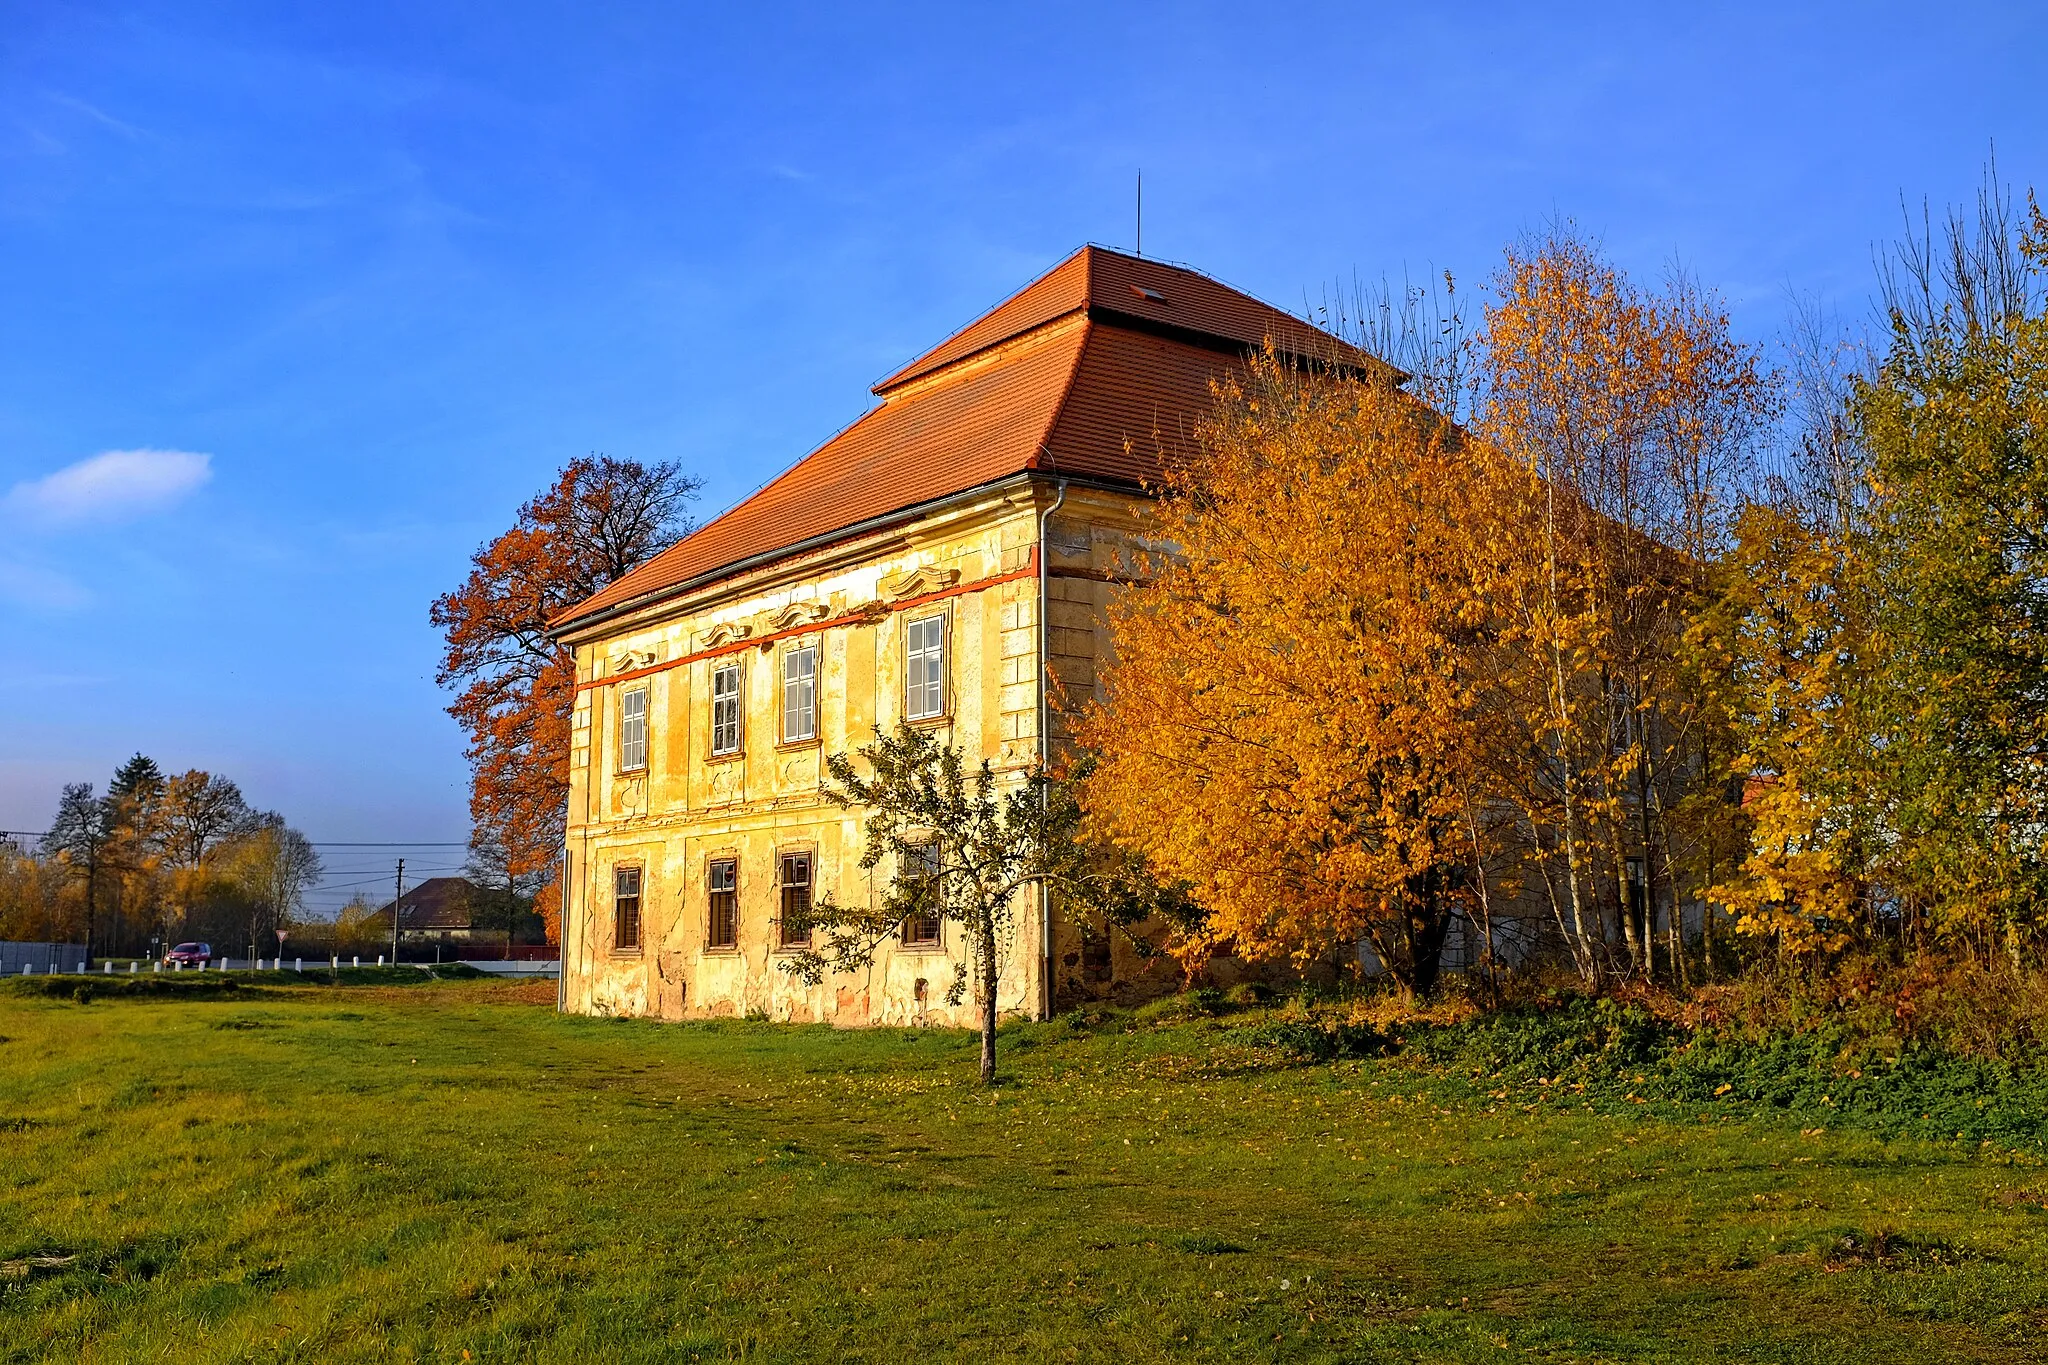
(452, 1172)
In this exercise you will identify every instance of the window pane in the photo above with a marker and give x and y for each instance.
(626, 907)
(800, 694)
(796, 899)
(724, 929)
(921, 866)
(633, 730)
(725, 709)
(924, 658)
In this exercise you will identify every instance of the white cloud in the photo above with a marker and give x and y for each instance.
(116, 485)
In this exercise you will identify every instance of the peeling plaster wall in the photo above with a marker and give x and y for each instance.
(686, 808)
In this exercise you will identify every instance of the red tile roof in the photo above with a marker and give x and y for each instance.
(1136, 290)
(1075, 374)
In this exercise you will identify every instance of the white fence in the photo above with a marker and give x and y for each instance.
(69, 960)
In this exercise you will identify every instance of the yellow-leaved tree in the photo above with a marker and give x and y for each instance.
(1789, 625)
(1291, 729)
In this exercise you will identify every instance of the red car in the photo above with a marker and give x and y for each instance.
(191, 954)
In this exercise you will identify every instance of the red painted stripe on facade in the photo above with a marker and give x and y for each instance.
(856, 617)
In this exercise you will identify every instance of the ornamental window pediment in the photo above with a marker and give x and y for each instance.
(926, 578)
(798, 615)
(725, 633)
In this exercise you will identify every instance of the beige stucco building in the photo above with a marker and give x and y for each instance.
(945, 561)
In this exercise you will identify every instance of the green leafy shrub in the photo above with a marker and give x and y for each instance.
(1614, 1052)
(1314, 1038)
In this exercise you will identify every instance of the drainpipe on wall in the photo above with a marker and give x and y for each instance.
(1045, 732)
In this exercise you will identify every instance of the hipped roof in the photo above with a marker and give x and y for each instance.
(1096, 370)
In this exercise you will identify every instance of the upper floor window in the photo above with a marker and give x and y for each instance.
(800, 694)
(793, 930)
(924, 669)
(633, 730)
(626, 908)
(724, 880)
(725, 709)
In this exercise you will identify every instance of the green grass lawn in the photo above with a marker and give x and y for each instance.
(451, 1172)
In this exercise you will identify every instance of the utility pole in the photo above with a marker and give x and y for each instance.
(394, 911)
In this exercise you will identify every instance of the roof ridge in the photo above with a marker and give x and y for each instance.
(909, 370)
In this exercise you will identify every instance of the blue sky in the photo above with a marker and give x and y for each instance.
(297, 302)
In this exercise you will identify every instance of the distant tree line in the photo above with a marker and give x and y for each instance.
(156, 858)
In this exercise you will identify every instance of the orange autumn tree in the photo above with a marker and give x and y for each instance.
(1289, 730)
(598, 519)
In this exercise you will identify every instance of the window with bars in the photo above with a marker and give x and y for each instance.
(800, 694)
(625, 908)
(921, 925)
(725, 710)
(924, 668)
(724, 881)
(793, 929)
(633, 730)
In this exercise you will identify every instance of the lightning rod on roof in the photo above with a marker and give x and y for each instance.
(1141, 211)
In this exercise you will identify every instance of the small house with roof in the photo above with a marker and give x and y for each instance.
(943, 561)
(439, 909)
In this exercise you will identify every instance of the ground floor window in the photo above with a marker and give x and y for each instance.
(724, 880)
(626, 908)
(793, 929)
(921, 925)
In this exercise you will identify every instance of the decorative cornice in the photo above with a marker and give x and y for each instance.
(860, 615)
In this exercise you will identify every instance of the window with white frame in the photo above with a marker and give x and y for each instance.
(725, 710)
(633, 730)
(924, 668)
(800, 694)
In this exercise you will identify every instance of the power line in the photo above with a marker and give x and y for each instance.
(318, 844)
